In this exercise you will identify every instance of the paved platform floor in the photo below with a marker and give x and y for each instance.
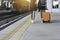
(10, 30)
(43, 31)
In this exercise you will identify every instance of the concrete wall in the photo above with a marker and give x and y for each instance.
(49, 6)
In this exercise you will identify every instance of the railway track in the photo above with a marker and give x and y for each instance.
(6, 20)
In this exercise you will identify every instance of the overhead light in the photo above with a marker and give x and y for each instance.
(28, 0)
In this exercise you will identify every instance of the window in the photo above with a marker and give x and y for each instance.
(55, 4)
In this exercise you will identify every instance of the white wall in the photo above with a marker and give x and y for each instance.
(49, 6)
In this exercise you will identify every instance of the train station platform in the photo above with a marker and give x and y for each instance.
(16, 28)
(25, 30)
(43, 31)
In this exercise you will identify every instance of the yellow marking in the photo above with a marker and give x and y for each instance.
(9, 35)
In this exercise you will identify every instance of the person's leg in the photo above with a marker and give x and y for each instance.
(33, 15)
(41, 13)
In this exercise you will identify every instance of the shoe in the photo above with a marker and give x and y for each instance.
(32, 21)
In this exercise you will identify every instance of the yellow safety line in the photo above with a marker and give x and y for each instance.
(15, 30)
(20, 32)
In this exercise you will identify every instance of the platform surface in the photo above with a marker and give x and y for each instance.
(43, 31)
(11, 27)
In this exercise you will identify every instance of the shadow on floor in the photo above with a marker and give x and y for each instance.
(52, 21)
(55, 21)
(35, 22)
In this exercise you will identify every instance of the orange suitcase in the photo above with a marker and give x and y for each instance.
(46, 17)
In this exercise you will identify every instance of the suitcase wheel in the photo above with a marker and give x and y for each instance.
(46, 21)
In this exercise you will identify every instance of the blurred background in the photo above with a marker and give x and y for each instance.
(17, 5)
